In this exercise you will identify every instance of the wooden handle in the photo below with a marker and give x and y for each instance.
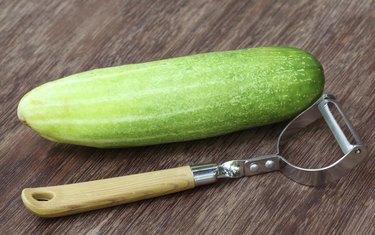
(75, 198)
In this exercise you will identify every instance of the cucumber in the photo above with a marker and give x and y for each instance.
(172, 100)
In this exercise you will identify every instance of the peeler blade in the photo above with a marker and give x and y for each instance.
(353, 150)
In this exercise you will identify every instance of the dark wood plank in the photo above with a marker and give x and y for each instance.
(43, 40)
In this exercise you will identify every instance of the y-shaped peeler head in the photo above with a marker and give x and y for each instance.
(353, 153)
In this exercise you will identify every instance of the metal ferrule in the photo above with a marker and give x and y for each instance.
(204, 173)
(211, 172)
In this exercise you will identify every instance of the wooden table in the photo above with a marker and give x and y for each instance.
(44, 40)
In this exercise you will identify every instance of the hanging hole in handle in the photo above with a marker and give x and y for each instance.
(43, 197)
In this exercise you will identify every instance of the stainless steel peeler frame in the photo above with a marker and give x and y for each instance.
(353, 153)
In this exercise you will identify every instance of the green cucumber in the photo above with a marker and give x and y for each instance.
(172, 100)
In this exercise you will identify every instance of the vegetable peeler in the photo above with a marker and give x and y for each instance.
(70, 199)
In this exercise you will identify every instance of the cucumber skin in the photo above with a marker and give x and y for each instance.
(172, 100)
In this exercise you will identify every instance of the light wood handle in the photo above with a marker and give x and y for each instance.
(70, 199)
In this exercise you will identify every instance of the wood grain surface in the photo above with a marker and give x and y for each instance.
(44, 40)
